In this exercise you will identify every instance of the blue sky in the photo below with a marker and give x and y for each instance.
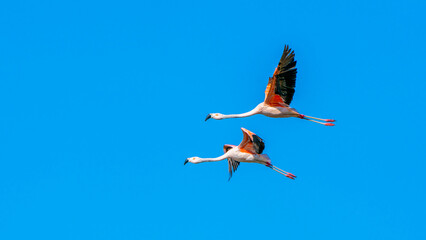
(102, 101)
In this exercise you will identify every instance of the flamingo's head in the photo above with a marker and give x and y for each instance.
(192, 160)
(217, 116)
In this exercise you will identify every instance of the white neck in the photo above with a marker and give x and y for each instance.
(242, 115)
(224, 156)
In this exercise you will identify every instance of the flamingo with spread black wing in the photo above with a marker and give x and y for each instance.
(278, 95)
(250, 151)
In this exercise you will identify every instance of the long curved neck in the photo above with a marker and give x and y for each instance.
(224, 156)
(242, 115)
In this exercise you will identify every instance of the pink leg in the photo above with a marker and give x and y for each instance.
(279, 170)
(301, 116)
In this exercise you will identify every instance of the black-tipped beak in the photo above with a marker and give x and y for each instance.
(186, 161)
(208, 117)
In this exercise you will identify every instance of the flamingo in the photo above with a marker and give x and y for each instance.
(278, 94)
(250, 151)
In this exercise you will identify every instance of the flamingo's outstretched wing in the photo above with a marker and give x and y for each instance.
(251, 142)
(232, 164)
(280, 89)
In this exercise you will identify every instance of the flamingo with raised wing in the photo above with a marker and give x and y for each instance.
(250, 151)
(278, 95)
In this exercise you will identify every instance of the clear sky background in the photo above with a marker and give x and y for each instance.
(102, 101)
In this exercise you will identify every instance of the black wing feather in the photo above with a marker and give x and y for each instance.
(232, 164)
(232, 167)
(258, 144)
(286, 77)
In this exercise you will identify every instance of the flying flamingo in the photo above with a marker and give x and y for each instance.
(278, 94)
(250, 151)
